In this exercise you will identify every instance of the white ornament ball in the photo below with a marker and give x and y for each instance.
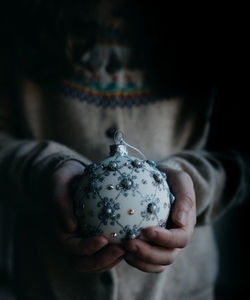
(120, 196)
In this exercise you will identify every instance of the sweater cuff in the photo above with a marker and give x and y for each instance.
(209, 179)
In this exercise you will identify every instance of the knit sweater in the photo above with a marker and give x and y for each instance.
(57, 127)
(41, 128)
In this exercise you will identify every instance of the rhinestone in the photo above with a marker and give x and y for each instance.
(152, 208)
(131, 211)
(151, 163)
(125, 164)
(114, 234)
(108, 210)
(112, 166)
(144, 181)
(110, 187)
(126, 183)
(102, 166)
(136, 163)
(157, 178)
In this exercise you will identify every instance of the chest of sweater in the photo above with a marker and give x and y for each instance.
(159, 128)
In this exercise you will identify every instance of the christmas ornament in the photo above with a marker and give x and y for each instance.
(121, 195)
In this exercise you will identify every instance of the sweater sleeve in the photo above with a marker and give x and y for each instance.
(220, 180)
(25, 167)
(24, 164)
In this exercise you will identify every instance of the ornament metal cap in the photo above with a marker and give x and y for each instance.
(120, 150)
(120, 147)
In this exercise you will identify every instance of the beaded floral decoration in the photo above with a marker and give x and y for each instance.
(120, 196)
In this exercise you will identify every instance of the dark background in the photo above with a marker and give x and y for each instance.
(221, 33)
(230, 130)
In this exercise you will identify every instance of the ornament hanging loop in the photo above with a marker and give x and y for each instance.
(119, 137)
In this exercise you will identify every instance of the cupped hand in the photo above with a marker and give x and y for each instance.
(158, 247)
(90, 255)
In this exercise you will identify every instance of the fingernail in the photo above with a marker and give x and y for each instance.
(181, 217)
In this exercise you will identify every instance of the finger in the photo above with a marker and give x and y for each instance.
(142, 265)
(181, 209)
(62, 194)
(75, 245)
(100, 260)
(182, 187)
(172, 238)
(108, 267)
(151, 254)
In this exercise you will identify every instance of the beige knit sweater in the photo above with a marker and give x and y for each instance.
(52, 127)
(39, 128)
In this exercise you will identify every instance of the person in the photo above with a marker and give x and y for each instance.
(77, 75)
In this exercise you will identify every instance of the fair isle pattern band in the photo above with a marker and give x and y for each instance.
(109, 75)
(109, 99)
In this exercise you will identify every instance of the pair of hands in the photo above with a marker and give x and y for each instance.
(156, 247)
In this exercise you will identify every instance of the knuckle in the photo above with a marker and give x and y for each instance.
(188, 202)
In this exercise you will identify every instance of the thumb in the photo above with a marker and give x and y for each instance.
(181, 185)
